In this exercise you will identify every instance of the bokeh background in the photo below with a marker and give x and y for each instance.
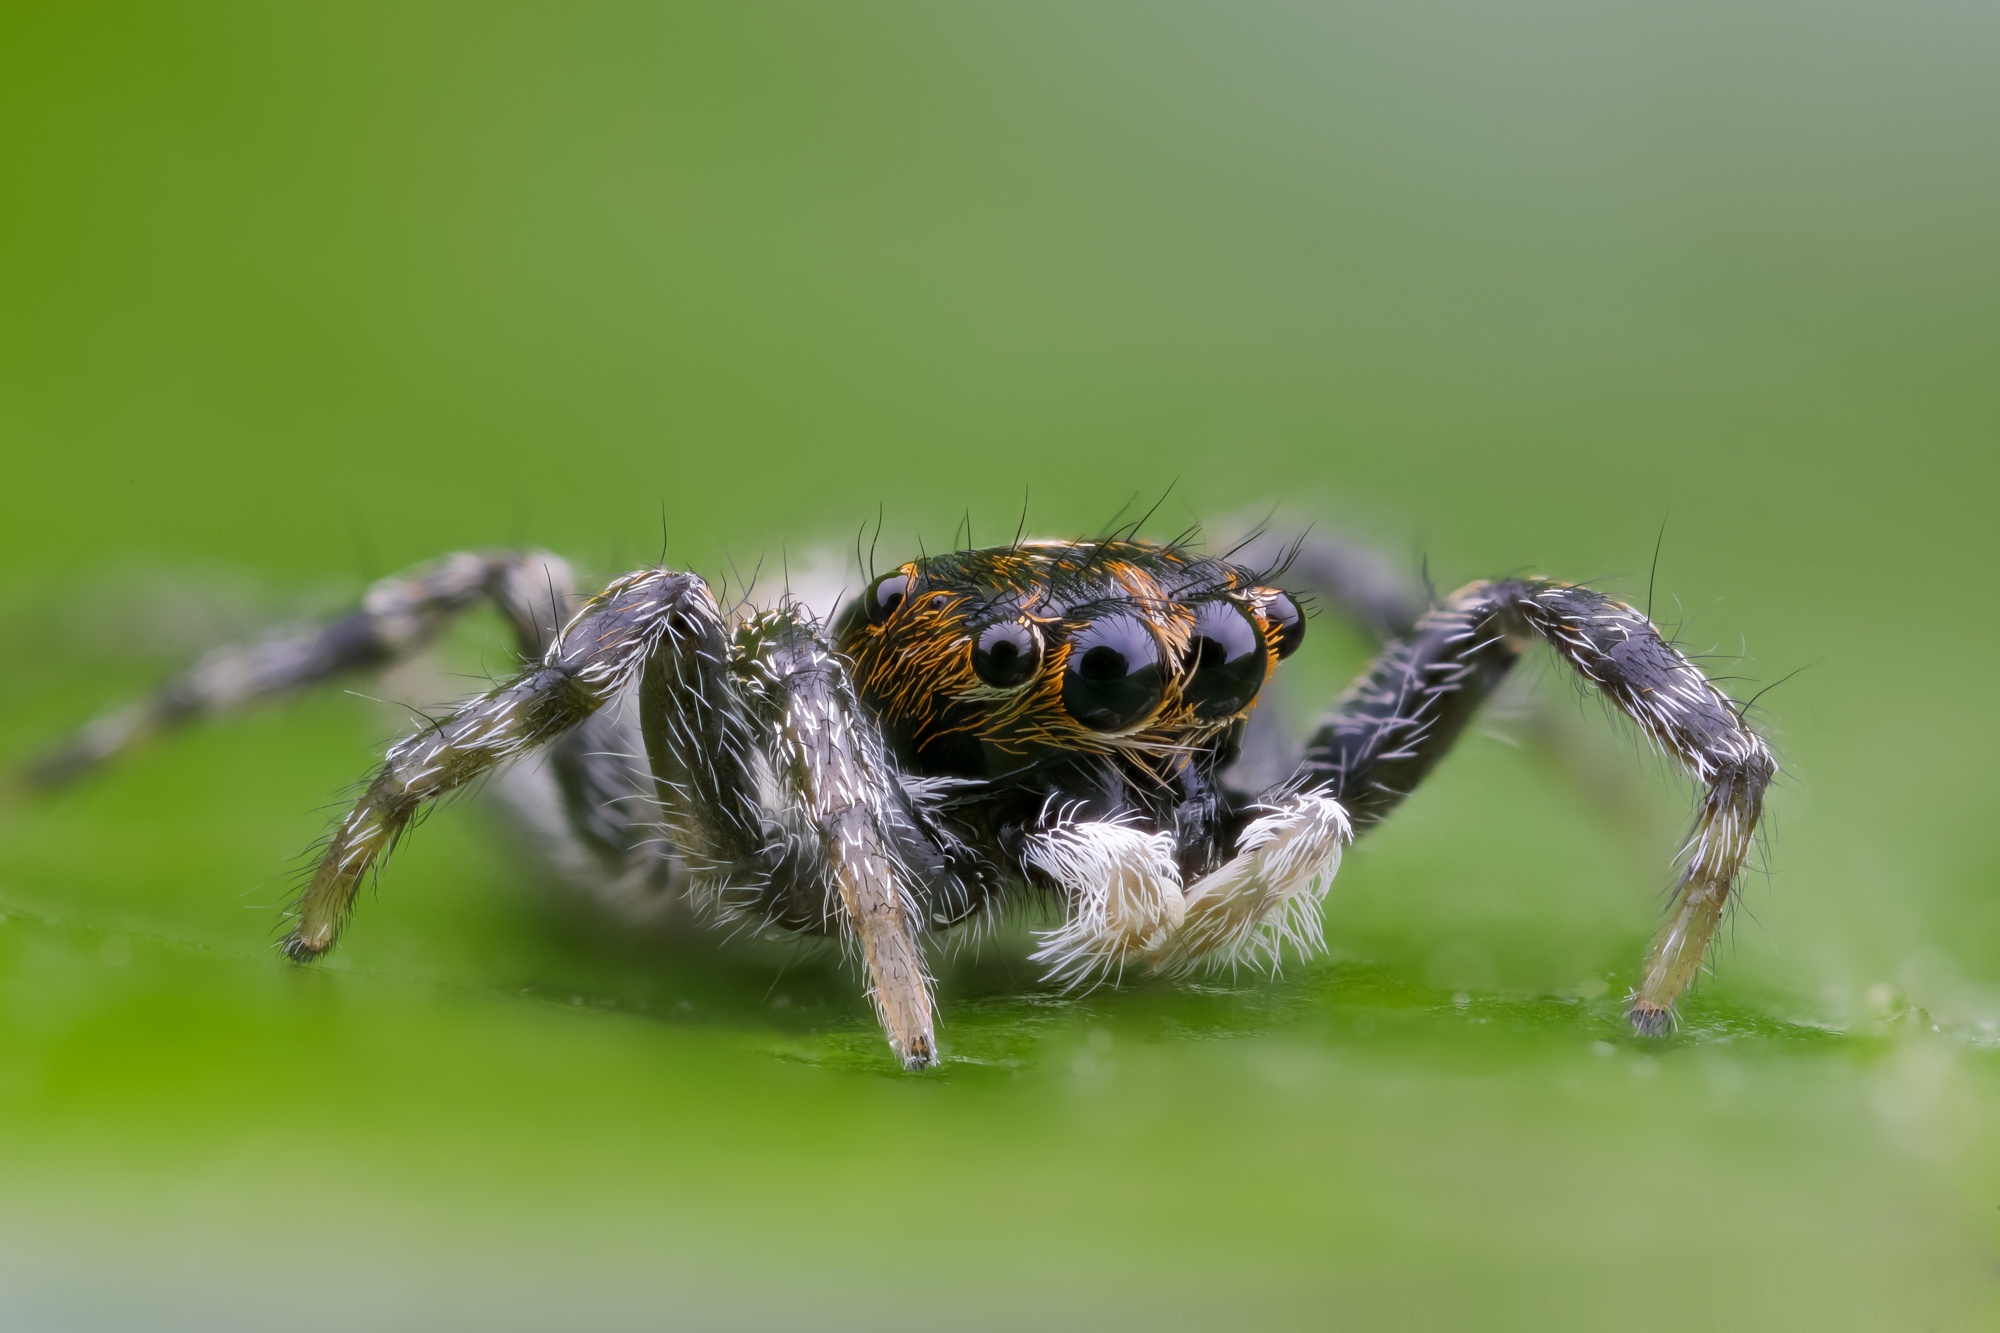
(292, 296)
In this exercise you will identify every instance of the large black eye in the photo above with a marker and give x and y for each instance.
(1227, 657)
(1113, 676)
(1006, 655)
(1287, 621)
(885, 595)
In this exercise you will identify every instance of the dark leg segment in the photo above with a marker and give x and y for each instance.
(1377, 594)
(398, 616)
(1346, 577)
(1388, 731)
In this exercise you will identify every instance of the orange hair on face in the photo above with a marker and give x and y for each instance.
(912, 637)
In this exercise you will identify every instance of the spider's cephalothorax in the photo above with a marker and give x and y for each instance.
(1109, 680)
(986, 664)
(1075, 721)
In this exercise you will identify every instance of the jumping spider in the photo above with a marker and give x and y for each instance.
(1053, 717)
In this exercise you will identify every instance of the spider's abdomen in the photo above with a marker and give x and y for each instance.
(987, 663)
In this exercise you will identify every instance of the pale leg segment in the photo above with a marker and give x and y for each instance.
(1268, 895)
(778, 792)
(831, 756)
(1124, 891)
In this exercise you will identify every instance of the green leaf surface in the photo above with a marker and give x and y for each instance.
(298, 295)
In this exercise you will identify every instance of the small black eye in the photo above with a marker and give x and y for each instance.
(1227, 660)
(1113, 676)
(1286, 622)
(1006, 655)
(885, 595)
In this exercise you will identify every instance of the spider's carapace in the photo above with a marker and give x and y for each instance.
(983, 664)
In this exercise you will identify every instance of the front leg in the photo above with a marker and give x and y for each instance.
(779, 792)
(1394, 725)
(833, 761)
(1269, 894)
(1123, 890)
(1388, 731)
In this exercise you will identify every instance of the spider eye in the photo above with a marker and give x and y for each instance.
(1287, 623)
(1226, 660)
(885, 595)
(1006, 655)
(1113, 676)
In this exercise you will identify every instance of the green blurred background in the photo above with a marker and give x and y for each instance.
(291, 296)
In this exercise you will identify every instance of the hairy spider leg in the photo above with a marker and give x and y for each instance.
(1377, 595)
(775, 785)
(1267, 895)
(397, 617)
(1400, 718)
(1343, 574)
(595, 657)
(777, 703)
(1123, 889)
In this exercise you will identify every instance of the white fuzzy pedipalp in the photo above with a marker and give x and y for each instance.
(1269, 894)
(1124, 892)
